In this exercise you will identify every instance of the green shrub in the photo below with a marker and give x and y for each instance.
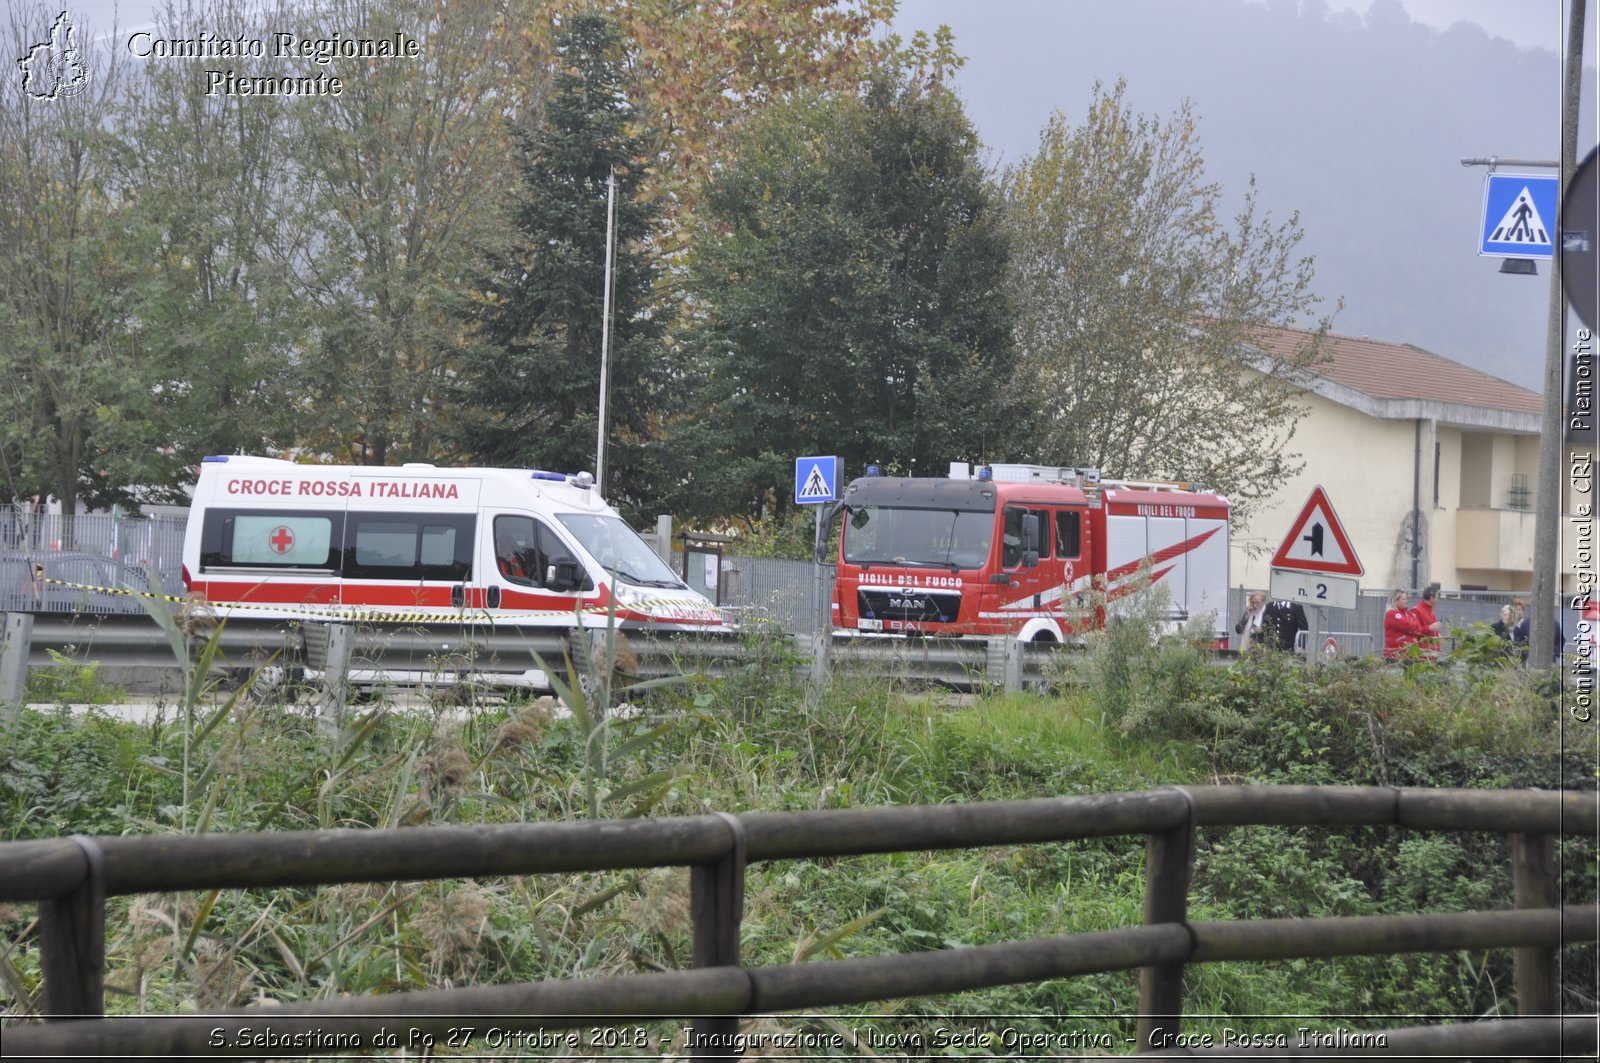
(1144, 676)
(66, 681)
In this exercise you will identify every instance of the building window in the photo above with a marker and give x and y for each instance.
(1436, 461)
(1519, 495)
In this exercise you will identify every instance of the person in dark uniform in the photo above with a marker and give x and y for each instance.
(1282, 622)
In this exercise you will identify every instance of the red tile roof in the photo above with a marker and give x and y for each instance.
(1401, 371)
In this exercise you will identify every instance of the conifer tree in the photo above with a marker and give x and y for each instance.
(531, 380)
(848, 286)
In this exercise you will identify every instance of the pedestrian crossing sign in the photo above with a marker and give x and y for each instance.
(816, 480)
(1519, 215)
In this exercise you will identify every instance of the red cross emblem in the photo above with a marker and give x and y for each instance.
(281, 539)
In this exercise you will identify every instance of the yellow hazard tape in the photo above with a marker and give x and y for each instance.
(123, 591)
(361, 614)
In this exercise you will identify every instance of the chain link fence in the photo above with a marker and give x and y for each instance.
(1460, 609)
(86, 562)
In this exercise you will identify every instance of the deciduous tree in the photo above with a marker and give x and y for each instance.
(210, 179)
(1136, 302)
(404, 172)
(701, 70)
(67, 366)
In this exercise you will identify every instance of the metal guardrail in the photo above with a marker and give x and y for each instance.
(73, 877)
(446, 653)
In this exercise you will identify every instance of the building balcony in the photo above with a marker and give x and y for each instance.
(1497, 539)
(1502, 540)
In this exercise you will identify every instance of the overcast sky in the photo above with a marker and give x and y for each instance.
(997, 37)
(1353, 112)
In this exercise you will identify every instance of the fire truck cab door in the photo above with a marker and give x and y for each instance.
(1024, 539)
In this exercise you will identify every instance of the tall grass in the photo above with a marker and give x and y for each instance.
(755, 740)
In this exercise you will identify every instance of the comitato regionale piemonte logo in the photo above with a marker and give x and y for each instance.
(54, 68)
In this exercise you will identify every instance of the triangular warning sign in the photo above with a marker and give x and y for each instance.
(1317, 543)
(1522, 223)
(816, 485)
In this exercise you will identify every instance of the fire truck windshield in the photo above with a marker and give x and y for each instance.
(884, 535)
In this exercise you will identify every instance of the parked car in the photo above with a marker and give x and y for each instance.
(70, 583)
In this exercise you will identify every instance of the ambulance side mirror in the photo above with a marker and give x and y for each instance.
(563, 576)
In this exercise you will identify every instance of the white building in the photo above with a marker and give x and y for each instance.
(1402, 439)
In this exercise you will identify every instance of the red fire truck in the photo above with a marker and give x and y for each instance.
(1027, 550)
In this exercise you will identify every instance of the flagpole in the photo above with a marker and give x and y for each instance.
(605, 332)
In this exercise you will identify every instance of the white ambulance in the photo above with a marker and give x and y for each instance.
(268, 538)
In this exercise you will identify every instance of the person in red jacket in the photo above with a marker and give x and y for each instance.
(1401, 627)
(1424, 613)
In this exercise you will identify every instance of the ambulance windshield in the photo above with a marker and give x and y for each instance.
(885, 535)
(617, 547)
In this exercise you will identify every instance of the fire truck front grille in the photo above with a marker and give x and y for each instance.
(907, 603)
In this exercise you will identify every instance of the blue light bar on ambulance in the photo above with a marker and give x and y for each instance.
(582, 480)
(214, 459)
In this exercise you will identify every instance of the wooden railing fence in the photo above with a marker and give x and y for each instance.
(73, 877)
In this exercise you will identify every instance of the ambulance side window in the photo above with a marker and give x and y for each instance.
(1068, 534)
(409, 546)
(516, 550)
(233, 538)
(525, 550)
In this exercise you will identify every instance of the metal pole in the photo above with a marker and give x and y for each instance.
(17, 636)
(1416, 508)
(820, 623)
(1313, 633)
(605, 333)
(1547, 517)
(821, 613)
(1495, 160)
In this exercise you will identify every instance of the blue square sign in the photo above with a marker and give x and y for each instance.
(816, 480)
(1519, 215)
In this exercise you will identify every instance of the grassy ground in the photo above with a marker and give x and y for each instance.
(1153, 715)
